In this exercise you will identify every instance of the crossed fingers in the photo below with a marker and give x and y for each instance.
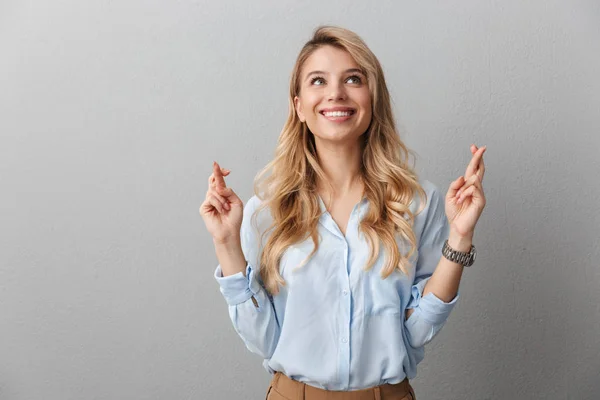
(473, 175)
(476, 166)
(217, 188)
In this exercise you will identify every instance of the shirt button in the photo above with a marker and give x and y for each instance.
(345, 340)
(345, 292)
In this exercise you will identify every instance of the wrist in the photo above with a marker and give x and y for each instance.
(226, 243)
(460, 242)
(231, 257)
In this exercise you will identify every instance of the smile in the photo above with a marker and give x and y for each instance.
(338, 116)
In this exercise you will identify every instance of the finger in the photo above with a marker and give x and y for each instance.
(207, 208)
(212, 181)
(472, 180)
(481, 166)
(224, 191)
(481, 170)
(218, 175)
(216, 204)
(223, 200)
(472, 167)
(468, 192)
(474, 190)
(474, 193)
(229, 194)
(454, 187)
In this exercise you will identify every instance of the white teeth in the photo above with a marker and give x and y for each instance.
(337, 113)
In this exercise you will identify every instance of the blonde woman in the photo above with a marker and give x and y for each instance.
(344, 264)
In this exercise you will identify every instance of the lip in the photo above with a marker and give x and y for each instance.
(329, 109)
(338, 119)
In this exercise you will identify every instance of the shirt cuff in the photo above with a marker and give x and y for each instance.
(238, 288)
(433, 309)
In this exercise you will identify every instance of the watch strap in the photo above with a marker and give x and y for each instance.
(466, 259)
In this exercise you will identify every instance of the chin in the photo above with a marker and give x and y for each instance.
(338, 136)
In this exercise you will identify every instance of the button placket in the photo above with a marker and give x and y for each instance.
(345, 320)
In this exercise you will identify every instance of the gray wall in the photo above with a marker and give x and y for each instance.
(111, 113)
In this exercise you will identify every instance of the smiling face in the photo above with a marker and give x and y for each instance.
(334, 99)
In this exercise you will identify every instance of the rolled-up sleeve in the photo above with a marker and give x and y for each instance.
(430, 312)
(238, 288)
(250, 307)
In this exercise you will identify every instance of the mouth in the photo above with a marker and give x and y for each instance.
(338, 115)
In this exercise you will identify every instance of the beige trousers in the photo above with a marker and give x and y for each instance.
(284, 388)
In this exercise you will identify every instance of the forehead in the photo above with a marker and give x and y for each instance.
(329, 59)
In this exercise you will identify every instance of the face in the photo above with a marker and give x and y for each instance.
(334, 98)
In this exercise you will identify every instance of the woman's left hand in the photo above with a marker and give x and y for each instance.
(465, 199)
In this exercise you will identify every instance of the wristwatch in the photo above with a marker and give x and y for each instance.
(466, 259)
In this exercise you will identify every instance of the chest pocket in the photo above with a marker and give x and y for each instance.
(385, 296)
(381, 296)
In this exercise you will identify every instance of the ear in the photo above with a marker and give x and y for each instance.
(298, 107)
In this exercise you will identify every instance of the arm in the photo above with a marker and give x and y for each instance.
(250, 308)
(435, 289)
(445, 280)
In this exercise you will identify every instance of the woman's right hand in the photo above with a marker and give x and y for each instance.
(222, 210)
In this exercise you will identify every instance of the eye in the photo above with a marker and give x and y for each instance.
(316, 79)
(355, 78)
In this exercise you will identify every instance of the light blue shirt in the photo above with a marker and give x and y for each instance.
(334, 325)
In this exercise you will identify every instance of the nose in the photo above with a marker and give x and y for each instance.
(337, 92)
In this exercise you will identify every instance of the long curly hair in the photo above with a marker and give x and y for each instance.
(389, 182)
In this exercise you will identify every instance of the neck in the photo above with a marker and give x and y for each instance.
(341, 164)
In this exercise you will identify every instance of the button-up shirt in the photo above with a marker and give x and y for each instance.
(334, 325)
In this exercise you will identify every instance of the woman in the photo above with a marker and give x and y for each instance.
(334, 271)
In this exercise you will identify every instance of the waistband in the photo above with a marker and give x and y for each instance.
(295, 390)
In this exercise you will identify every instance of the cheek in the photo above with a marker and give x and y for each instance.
(310, 104)
(366, 101)
(367, 116)
(367, 107)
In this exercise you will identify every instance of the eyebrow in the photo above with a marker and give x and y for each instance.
(355, 70)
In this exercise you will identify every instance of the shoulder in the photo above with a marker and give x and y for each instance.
(427, 185)
(251, 205)
(433, 196)
(256, 218)
(433, 216)
(255, 222)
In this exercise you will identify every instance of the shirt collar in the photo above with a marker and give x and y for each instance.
(327, 221)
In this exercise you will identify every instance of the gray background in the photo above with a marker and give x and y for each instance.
(111, 113)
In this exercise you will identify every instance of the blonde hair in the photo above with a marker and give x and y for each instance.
(390, 183)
